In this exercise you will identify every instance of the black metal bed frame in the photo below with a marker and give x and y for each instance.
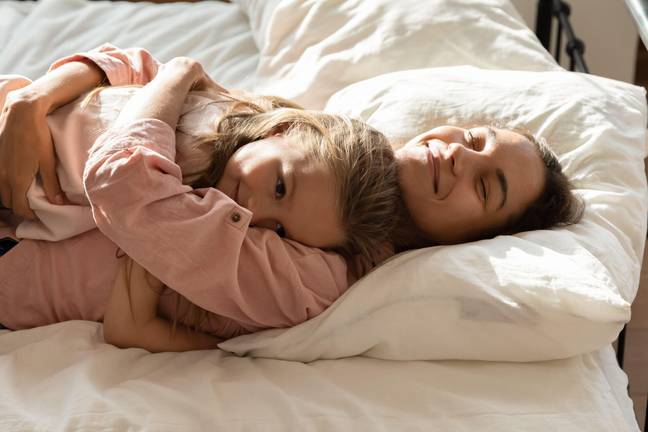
(558, 10)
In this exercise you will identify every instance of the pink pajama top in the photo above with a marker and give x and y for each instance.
(127, 182)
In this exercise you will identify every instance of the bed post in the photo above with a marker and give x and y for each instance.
(543, 22)
(575, 48)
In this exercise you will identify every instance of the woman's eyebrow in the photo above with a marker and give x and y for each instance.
(503, 185)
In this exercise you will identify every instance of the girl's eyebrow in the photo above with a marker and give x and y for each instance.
(293, 183)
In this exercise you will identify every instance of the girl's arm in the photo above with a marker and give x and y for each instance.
(131, 319)
(163, 97)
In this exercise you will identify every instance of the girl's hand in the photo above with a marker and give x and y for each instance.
(201, 80)
(26, 149)
(131, 319)
(163, 97)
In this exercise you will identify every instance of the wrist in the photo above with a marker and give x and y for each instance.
(185, 68)
(31, 97)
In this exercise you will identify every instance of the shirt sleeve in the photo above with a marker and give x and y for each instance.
(121, 66)
(198, 241)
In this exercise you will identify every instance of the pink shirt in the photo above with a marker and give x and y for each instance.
(197, 242)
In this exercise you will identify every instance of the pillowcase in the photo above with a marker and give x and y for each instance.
(310, 50)
(537, 295)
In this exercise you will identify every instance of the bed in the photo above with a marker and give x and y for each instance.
(507, 334)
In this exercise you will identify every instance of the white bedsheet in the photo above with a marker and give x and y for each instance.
(63, 377)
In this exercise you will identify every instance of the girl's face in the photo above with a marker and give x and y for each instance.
(285, 190)
(459, 183)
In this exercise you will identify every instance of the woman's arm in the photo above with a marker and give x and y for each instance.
(131, 319)
(26, 146)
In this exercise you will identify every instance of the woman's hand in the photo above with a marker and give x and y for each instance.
(26, 149)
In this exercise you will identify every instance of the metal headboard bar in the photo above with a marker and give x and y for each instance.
(575, 47)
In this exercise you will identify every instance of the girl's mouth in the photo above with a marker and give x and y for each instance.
(235, 195)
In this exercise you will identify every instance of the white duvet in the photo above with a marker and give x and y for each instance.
(555, 294)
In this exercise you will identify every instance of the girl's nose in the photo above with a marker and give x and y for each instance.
(262, 213)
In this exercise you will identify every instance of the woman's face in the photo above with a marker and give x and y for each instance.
(285, 190)
(459, 183)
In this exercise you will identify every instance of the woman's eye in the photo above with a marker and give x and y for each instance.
(280, 230)
(483, 188)
(280, 189)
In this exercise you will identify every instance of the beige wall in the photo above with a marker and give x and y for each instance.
(608, 30)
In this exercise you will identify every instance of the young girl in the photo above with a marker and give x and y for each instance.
(323, 180)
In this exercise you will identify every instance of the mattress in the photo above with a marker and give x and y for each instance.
(64, 377)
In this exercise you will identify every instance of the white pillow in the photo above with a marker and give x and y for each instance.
(309, 50)
(534, 296)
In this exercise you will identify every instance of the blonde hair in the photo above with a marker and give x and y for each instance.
(360, 158)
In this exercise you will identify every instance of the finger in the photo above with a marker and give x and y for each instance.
(5, 196)
(213, 85)
(21, 207)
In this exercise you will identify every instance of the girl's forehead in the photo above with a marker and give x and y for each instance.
(315, 217)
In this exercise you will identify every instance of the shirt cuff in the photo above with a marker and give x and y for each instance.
(116, 72)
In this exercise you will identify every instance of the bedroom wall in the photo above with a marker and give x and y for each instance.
(608, 30)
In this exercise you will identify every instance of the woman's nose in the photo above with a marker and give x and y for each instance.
(461, 157)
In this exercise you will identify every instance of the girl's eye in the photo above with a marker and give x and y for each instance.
(280, 189)
(280, 230)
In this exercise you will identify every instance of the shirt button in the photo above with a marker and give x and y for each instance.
(235, 217)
